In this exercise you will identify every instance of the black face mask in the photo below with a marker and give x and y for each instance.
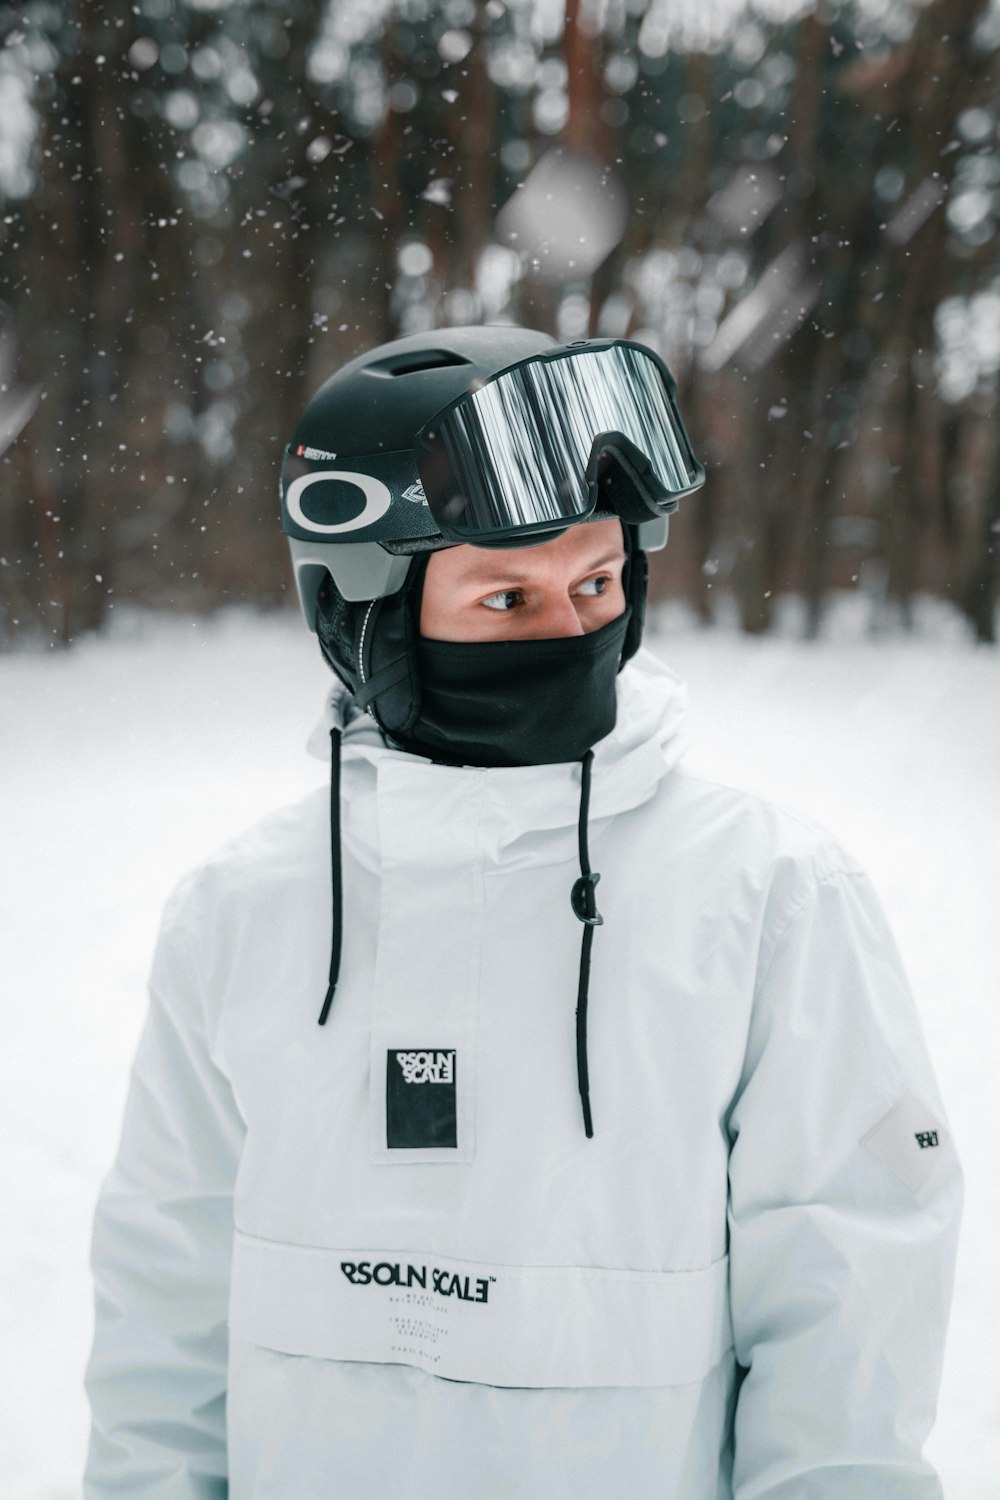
(517, 703)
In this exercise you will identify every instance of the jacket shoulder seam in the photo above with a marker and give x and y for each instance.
(825, 877)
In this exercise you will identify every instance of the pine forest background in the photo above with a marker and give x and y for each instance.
(207, 205)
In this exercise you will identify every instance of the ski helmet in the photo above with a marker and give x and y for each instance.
(357, 517)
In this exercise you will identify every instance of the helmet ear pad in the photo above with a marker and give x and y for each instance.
(371, 646)
(635, 581)
(337, 624)
(387, 652)
(616, 497)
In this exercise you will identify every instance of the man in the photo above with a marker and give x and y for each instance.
(641, 1189)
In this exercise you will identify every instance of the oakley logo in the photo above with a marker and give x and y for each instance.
(377, 501)
(427, 1067)
(926, 1138)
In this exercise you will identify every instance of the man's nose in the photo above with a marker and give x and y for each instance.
(560, 618)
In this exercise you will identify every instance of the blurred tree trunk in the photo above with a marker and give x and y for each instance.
(688, 208)
(97, 209)
(282, 198)
(982, 580)
(691, 211)
(385, 207)
(783, 473)
(927, 88)
(475, 148)
(584, 134)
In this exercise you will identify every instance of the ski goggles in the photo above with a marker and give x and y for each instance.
(530, 449)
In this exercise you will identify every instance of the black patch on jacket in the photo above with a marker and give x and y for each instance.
(420, 1101)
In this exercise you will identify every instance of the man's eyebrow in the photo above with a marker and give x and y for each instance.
(486, 572)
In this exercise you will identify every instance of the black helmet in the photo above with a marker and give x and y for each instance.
(356, 515)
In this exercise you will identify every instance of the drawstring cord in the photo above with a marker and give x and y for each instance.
(335, 872)
(583, 900)
(585, 907)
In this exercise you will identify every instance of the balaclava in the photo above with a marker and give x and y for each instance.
(483, 703)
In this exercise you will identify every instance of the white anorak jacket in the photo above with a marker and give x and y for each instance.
(737, 1288)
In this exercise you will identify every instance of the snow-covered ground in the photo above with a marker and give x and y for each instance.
(127, 760)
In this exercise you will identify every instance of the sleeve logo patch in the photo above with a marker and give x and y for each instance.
(907, 1141)
(420, 1098)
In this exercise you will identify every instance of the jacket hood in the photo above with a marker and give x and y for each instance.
(648, 740)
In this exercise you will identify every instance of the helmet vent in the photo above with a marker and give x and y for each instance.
(424, 359)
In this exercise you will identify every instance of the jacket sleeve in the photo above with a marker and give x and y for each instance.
(845, 1195)
(162, 1242)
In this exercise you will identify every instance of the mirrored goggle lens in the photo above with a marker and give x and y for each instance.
(516, 453)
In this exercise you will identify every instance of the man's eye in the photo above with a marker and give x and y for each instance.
(506, 599)
(594, 586)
